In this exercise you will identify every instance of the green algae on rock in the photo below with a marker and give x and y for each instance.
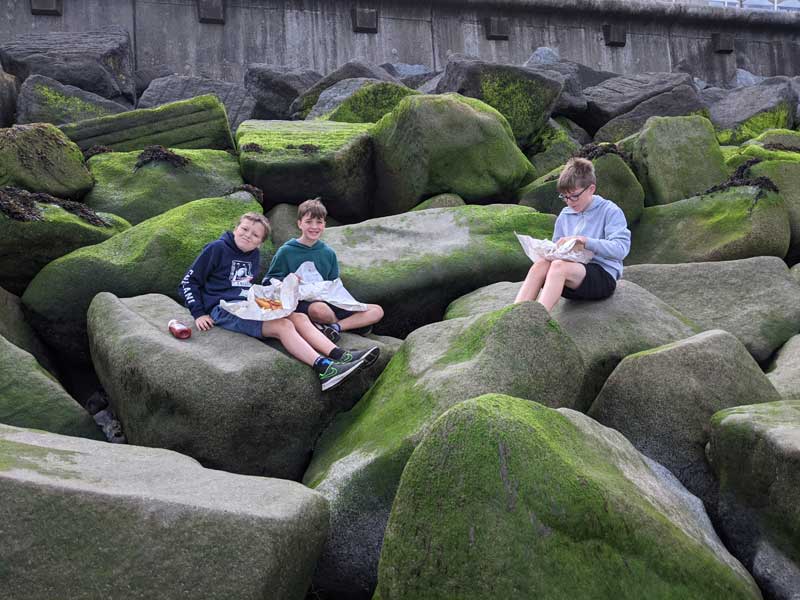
(440, 201)
(779, 117)
(448, 143)
(785, 175)
(504, 498)
(297, 160)
(14, 327)
(552, 148)
(138, 194)
(368, 104)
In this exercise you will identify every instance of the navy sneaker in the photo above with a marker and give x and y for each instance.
(369, 356)
(361, 330)
(329, 331)
(338, 372)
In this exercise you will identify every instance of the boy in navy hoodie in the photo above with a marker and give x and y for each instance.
(595, 224)
(331, 320)
(225, 270)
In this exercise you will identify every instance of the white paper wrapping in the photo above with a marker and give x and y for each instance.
(547, 250)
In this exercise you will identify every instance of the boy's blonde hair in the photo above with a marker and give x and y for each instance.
(313, 207)
(577, 174)
(257, 218)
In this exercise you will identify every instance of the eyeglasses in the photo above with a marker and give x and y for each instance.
(573, 197)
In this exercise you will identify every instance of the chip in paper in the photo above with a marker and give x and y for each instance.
(547, 250)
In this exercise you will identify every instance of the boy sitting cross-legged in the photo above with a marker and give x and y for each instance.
(225, 269)
(330, 319)
(595, 224)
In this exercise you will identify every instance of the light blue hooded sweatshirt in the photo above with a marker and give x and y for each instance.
(606, 230)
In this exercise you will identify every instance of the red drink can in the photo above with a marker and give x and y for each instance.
(179, 330)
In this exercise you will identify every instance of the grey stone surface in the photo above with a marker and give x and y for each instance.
(543, 56)
(99, 61)
(9, 88)
(755, 299)
(744, 78)
(108, 520)
(45, 100)
(16, 330)
(784, 369)
(145, 75)
(662, 399)
(275, 87)
(239, 104)
(339, 92)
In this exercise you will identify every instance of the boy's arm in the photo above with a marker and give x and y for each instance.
(616, 241)
(278, 267)
(558, 231)
(334, 274)
(193, 282)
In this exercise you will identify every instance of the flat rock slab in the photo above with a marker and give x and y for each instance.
(226, 399)
(505, 498)
(275, 87)
(293, 161)
(784, 372)
(197, 123)
(661, 400)
(754, 299)
(238, 102)
(108, 520)
(359, 460)
(97, 61)
(45, 100)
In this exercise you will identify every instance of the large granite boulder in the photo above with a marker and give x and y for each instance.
(606, 331)
(662, 399)
(32, 397)
(45, 100)
(449, 143)
(754, 299)
(359, 100)
(150, 257)
(786, 175)
(105, 520)
(228, 400)
(505, 498)
(553, 147)
(737, 222)
(99, 61)
(9, 88)
(412, 76)
(238, 102)
(748, 111)
(618, 95)
(755, 452)
(682, 100)
(440, 201)
(677, 157)
(15, 329)
(415, 264)
(39, 158)
(275, 87)
(197, 123)
(27, 246)
(144, 75)
(137, 193)
(784, 371)
(303, 104)
(296, 160)
(359, 460)
(523, 96)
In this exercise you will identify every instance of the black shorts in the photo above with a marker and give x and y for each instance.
(341, 313)
(597, 284)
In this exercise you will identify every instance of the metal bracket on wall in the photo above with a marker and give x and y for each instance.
(365, 20)
(211, 11)
(615, 35)
(497, 28)
(722, 43)
(46, 7)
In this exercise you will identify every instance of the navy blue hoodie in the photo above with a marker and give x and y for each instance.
(220, 272)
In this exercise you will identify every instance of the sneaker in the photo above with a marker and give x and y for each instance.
(369, 356)
(338, 372)
(361, 330)
(329, 332)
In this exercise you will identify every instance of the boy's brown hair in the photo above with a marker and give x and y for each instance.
(577, 174)
(313, 207)
(257, 218)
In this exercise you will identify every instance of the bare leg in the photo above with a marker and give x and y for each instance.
(310, 334)
(320, 312)
(561, 273)
(534, 281)
(372, 315)
(284, 330)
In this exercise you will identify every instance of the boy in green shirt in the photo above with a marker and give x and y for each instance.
(330, 319)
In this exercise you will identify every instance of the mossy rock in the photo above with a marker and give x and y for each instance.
(358, 461)
(553, 148)
(359, 100)
(27, 246)
(32, 397)
(725, 225)
(200, 122)
(440, 201)
(778, 117)
(150, 257)
(45, 100)
(783, 137)
(445, 144)
(746, 152)
(785, 175)
(677, 157)
(416, 263)
(39, 158)
(296, 160)
(14, 327)
(505, 498)
(136, 194)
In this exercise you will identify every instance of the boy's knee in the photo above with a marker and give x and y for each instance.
(319, 311)
(377, 311)
(277, 327)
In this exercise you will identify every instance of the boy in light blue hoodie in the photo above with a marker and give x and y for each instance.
(595, 224)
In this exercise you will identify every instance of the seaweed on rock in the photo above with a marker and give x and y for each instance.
(21, 205)
(160, 153)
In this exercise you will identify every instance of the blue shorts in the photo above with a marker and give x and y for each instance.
(226, 320)
(339, 313)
